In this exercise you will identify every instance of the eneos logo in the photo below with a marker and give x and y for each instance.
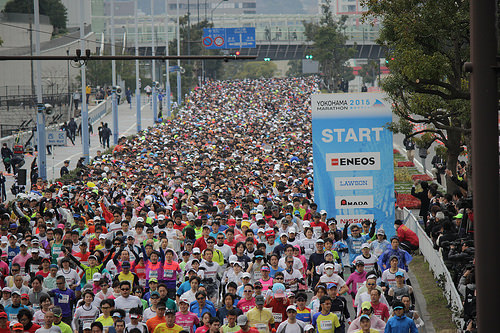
(360, 201)
(353, 161)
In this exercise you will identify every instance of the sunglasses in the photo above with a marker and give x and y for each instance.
(125, 289)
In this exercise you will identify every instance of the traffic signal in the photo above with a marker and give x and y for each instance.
(267, 59)
(309, 56)
(237, 53)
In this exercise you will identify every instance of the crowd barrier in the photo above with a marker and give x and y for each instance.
(436, 265)
(95, 114)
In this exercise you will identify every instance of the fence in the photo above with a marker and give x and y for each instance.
(95, 114)
(436, 265)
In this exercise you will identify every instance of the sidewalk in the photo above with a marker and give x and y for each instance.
(127, 125)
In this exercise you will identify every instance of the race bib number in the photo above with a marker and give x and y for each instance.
(142, 282)
(278, 317)
(169, 273)
(64, 299)
(261, 327)
(326, 325)
(153, 274)
(33, 268)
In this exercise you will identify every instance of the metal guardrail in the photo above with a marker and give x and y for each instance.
(436, 265)
(95, 114)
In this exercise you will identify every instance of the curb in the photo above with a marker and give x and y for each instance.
(421, 305)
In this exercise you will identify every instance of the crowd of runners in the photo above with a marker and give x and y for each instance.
(205, 223)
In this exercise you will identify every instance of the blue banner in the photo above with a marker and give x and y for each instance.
(353, 158)
(228, 38)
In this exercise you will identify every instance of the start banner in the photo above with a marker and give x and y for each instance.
(353, 158)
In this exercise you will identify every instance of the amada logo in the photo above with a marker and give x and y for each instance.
(353, 161)
(360, 201)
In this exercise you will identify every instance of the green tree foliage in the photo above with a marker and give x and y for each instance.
(370, 71)
(329, 47)
(99, 73)
(428, 43)
(294, 68)
(54, 9)
(238, 70)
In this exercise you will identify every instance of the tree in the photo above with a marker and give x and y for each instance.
(369, 71)
(294, 68)
(237, 70)
(428, 43)
(54, 9)
(329, 47)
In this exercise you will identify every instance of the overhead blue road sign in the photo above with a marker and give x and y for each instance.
(228, 38)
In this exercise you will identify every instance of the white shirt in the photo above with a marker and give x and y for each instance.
(297, 264)
(127, 304)
(286, 327)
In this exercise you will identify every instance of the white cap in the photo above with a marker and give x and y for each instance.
(292, 230)
(87, 326)
(261, 230)
(321, 212)
(151, 214)
(4, 239)
(196, 250)
(233, 258)
(161, 217)
(190, 216)
(102, 236)
(329, 266)
(140, 219)
(258, 217)
(365, 246)
(291, 307)
(308, 327)
(260, 208)
(246, 275)
(96, 277)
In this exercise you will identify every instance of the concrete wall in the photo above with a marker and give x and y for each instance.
(14, 29)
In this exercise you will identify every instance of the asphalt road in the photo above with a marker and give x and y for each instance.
(127, 125)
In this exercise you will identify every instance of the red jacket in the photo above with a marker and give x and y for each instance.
(405, 234)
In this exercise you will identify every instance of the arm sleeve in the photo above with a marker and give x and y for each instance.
(344, 232)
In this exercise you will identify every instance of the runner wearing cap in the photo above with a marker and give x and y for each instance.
(135, 321)
(380, 244)
(291, 325)
(404, 258)
(364, 293)
(397, 292)
(244, 324)
(357, 278)
(65, 328)
(13, 309)
(184, 318)
(260, 318)
(388, 279)
(399, 322)
(370, 260)
(159, 318)
(169, 326)
(339, 307)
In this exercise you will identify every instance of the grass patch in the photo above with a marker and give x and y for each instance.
(436, 303)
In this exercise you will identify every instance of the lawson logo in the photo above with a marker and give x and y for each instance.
(353, 183)
(357, 201)
(353, 161)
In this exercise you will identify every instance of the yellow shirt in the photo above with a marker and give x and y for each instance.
(106, 322)
(162, 328)
(88, 90)
(260, 319)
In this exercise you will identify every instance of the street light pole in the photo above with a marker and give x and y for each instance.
(212, 11)
(114, 104)
(85, 111)
(40, 116)
(179, 90)
(167, 63)
(137, 79)
(153, 67)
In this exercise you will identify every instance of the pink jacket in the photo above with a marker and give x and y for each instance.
(355, 280)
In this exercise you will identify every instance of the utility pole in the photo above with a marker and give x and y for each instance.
(33, 92)
(114, 104)
(40, 115)
(179, 90)
(137, 79)
(85, 110)
(153, 67)
(167, 63)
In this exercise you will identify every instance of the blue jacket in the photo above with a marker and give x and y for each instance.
(209, 307)
(401, 324)
(404, 258)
